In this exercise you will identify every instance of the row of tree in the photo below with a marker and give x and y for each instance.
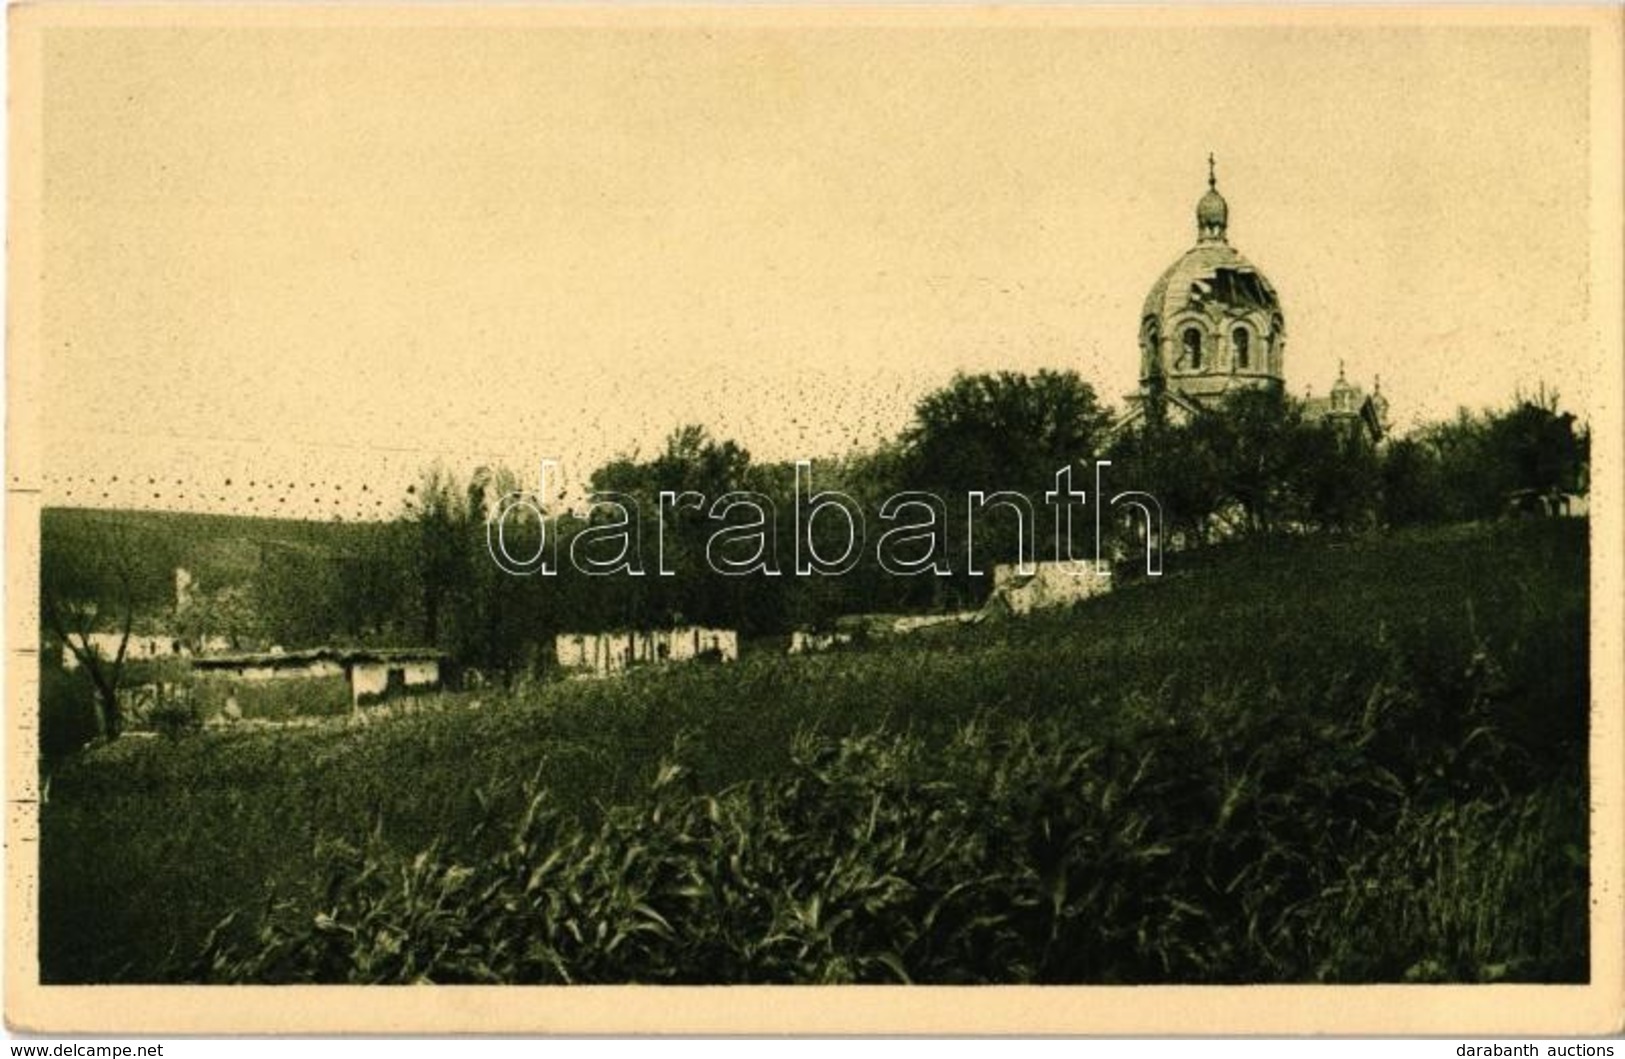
(1261, 465)
(1258, 466)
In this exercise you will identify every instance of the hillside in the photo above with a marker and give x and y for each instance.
(220, 551)
(1316, 761)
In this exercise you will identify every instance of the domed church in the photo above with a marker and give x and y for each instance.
(1212, 325)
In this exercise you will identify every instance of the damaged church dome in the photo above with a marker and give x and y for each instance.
(1212, 323)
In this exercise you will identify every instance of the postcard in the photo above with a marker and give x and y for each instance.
(814, 519)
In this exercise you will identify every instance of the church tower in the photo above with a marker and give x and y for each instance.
(1212, 324)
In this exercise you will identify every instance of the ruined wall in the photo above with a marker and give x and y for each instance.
(1048, 585)
(613, 652)
(370, 679)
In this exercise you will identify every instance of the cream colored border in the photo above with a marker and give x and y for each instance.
(1597, 1008)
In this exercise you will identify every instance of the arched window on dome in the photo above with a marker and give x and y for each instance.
(1241, 341)
(1192, 339)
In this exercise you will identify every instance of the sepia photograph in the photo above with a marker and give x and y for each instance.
(878, 503)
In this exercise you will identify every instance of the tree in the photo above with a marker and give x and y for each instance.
(1178, 466)
(88, 601)
(1538, 448)
(1259, 445)
(499, 618)
(1339, 477)
(439, 509)
(691, 461)
(295, 588)
(227, 612)
(468, 606)
(1003, 432)
(1469, 467)
(1255, 465)
(376, 600)
(1411, 485)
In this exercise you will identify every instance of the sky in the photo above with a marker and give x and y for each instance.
(284, 269)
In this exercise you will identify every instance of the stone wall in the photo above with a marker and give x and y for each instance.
(612, 652)
(1045, 585)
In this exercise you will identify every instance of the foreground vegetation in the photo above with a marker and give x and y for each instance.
(1339, 760)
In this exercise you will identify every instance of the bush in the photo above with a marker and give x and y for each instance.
(175, 716)
(276, 700)
(68, 718)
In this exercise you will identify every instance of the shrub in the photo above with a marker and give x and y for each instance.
(68, 719)
(277, 700)
(175, 716)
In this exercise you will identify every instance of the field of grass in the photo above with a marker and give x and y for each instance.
(1360, 760)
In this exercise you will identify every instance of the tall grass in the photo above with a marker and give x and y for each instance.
(1353, 764)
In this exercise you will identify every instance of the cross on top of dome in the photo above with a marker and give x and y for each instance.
(1212, 212)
